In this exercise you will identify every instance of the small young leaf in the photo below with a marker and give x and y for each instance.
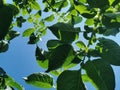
(70, 80)
(42, 80)
(60, 56)
(28, 32)
(101, 73)
(50, 18)
(81, 45)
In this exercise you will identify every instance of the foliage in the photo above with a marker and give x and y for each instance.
(94, 54)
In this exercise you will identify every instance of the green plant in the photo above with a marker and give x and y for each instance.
(94, 54)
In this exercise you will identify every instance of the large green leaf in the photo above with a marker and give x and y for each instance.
(60, 56)
(101, 73)
(65, 32)
(42, 80)
(6, 15)
(110, 51)
(35, 5)
(98, 3)
(70, 80)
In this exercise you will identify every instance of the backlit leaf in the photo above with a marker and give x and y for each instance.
(28, 32)
(49, 18)
(42, 80)
(81, 45)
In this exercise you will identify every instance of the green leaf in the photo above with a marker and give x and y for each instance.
(50, 18)
(41, 58)
(70, 80)
(12, 83)
(101, 73)
(28, 32)
(33, 39)
(52, 44)
(35, 5)
(42, 80)
(90, 22)
(84, 11)
(110, 51)
(81, 45)
(65, 32)
(112, 31)
(6, 16)
(77, 19)
(3, 46)
(98, 3)
(60, 56)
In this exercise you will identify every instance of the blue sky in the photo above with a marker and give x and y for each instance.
(19, 61)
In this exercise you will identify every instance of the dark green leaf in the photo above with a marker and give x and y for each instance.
(110, 51)
(98, 3)
(70, 80)
(11, 35)
(3, 46)
(33, 39)
(28, 32)
(52, 44)
(101, 73)
(64, 32)
(6, 16)
(60, 56)
(42, 80)
(111, 31)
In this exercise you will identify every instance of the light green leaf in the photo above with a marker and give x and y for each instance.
(70, 80)
(101, 73)
(60, 56)
(35, 5)
(50, 18)
(42, 80)
(81, 45)
(28, 32)
(110, 51)
(89, 22)
(12, 83)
